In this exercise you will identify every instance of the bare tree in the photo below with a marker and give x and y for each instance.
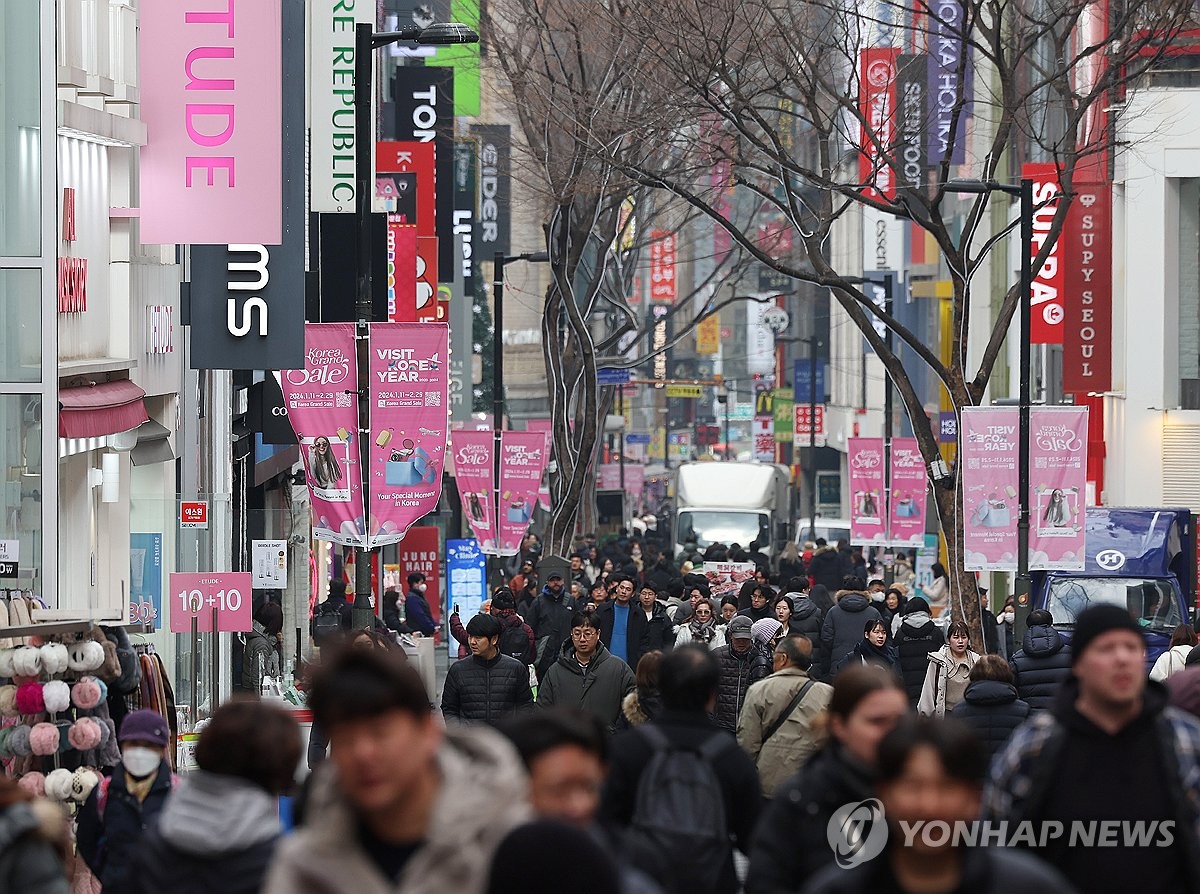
(770, 89)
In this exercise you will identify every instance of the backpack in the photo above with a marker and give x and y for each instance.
(679, 834)
(327, 623)
(514, 643)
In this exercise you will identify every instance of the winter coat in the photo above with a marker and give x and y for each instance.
(509, 622)
(738, 671)
(660, 576)
(550, 620)
(757, 614)
(865, 652)
(391, 616)
(29, 859)
(598, 689)
(259, 659)
(683, 636)
(826, 568)
(779, 757)
(789, 568)
(486, 691)
(217, 833)
(992, 709)
(792, 843)
(1169, 662)
(329, 606)
(991, 632)
(325, 855)
(635, 626)
(458, 630)
(110, 845)
(985, 871)
(1041, 666)
(932, 702)
(640, 706)
(658, 634)
(806, 620)
(936, 592)
(915, 638)
(843, 627)
(418, 613)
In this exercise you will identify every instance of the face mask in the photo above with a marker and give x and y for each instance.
(878, 597)
(140, 762)
(1007, 617)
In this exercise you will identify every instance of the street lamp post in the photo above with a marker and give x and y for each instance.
(1024, 191)
(366, 41)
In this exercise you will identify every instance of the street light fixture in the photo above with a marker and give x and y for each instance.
(366, 40)
(1024, 191)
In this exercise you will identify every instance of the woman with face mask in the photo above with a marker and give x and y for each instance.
(122, 807)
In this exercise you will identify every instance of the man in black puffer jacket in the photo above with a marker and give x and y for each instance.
(806, 619)
(550, 620)
(1043, 664)
(915, 637)
(842, 629)
(487, 687)
(741, 664)
(990, 705)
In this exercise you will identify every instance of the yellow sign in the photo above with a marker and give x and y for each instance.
(708, 335)
(689, 391)
(658, 444)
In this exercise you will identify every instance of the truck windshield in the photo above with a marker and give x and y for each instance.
(705, 528)
(1151, 603)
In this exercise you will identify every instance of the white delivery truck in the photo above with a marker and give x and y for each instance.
(732, 502)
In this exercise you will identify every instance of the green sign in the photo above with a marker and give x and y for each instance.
(783, 406)
(464, 59)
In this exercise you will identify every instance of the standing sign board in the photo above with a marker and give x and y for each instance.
(466, 577)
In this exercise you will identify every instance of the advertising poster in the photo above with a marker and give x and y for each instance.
(420, 553)
(223, 594)
(988, 458)
(268, 564)
(764, 439)
(868, 493)
(725, 578)
(409, 415)
(474, 471)
(466, 580)
(1058, 445)
(907, 505)
(145, 579)
(608, 477)
(522, 461)
(322, 407)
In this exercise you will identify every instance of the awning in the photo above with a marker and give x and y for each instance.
(97, 410)
(152, 446)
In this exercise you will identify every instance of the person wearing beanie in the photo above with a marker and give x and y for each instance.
(1113, 750)
(489, 686)
(125, 805)
(516, 637)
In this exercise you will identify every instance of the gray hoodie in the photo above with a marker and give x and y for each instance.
(248, 815)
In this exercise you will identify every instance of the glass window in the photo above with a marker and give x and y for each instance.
(1150, 602)
(21, 487)
(20, 132)
(21, 334)
(1189, 294)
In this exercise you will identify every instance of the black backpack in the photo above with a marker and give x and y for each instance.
(514, 643)
(679, 833)
(327, 623)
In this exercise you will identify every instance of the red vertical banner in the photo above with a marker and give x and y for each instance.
(877, 103)
(662, 267)
(868, 495)
(402, 272)
(420, 552)
(1049, 283)
(1087, 259)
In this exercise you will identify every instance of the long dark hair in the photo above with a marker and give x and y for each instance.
(819, 596)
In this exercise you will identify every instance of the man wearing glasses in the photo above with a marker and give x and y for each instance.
(586, 675)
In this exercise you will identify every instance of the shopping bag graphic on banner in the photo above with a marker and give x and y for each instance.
(409, 467)
(518, 513)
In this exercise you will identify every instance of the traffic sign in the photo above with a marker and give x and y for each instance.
(193, 514)
(686, 391)
(610, 375)
(228, 593)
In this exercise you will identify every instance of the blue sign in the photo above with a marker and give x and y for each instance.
(801, 383)
(145, 579)
(948, 427)
(637, 438)
(466, 578)
(608, 375)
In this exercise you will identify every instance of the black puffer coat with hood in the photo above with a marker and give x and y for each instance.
(915, 637)
(992, 709)
(806, 619)
(1041, 666)
(843, 627)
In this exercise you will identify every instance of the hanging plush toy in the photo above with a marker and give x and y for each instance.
(84, 734)
(55, 659)
(83, 781)
(6, 662)
(58, 785)
(86, 655)
(8, 701)
(34, 783)
(18, 741)
(27, 662)
(86, 694)
(30, 699)
(44, 739)
(57, 696)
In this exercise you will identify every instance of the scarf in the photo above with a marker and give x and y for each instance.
(874, 654)
(702, 633)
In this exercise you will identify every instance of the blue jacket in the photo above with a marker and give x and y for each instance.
(418, 614)
(110, 844)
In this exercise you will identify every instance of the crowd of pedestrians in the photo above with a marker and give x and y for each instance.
(638, 735)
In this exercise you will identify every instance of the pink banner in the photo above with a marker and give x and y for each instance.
(543, 425)
(907, 505)
(608, 477)
(410, 400)
(988, 458)
(227, 594)
(1058, 445)
(210, 88)
(323, 409)
(474, 473)
(868, 493)
(522, 461)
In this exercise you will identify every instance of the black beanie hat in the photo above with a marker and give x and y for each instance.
(1096, 621)
(536, 857)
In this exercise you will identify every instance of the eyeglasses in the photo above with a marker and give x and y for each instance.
(584, 633)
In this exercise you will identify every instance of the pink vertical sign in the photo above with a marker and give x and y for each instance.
(474, 473)
(210, 91)
(1058, 445)
(322, 406)
(522, 461)
(410, 400)
(988, 438)
(906, 507)
(868, 493)
(542, 425)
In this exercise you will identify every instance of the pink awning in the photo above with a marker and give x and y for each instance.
(94, 411)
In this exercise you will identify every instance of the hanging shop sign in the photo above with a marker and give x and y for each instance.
(908, 489)
(522, 462)
(868, 491)
(495, 188)
(226, 595)
(424, 104)
(1087, 323)
(268, 564)
(877, 103)
(1049, 283)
